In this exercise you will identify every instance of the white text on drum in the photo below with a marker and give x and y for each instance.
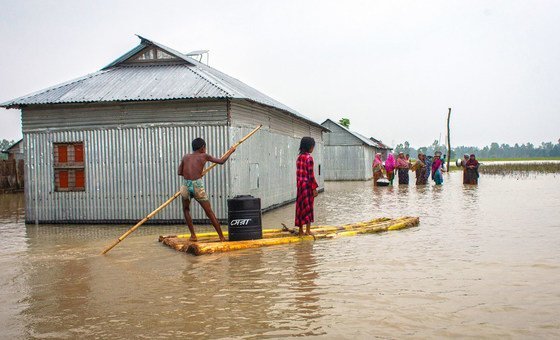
(244, 221)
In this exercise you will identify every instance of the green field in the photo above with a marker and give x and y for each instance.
(518, 159)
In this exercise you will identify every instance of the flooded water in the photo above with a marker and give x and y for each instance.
(484, 262)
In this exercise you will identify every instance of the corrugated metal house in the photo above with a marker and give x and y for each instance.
(105, 147)
(347, 156)
(15, 151)
(381, 147)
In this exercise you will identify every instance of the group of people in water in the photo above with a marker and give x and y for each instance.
(192, 165)
(424, 168)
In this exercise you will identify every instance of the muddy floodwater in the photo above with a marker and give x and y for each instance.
(484, 262)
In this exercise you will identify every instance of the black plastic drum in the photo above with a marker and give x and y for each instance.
(244, 218)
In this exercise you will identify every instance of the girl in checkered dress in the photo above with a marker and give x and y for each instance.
(306, 186)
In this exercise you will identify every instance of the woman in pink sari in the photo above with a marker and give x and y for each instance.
(390, 168)
(437, 169)
(377, 168)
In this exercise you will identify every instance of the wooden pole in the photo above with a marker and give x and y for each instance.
(448, 140)
(160, 208)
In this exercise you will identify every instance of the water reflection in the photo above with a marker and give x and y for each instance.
(11, 208)
(306, 304)
(484, 261)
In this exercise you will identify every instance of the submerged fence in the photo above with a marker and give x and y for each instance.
(11, 175)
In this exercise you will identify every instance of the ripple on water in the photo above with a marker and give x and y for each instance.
(484, 261)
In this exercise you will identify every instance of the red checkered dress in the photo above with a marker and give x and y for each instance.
(306, 183)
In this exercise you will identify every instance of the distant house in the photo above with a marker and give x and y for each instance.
(105, 147)
(348, 156)
(12, 168)
(15, 151)
(381, 147)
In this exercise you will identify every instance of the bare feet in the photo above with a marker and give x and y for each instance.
(309, 233)
(222, 239)
(193, 238)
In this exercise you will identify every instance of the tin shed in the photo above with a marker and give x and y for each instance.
(348, 156)
(15, 151)
(381, 147)
(105, 147)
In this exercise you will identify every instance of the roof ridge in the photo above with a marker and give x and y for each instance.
(221, 84)
(357, 135)
(208, 81)
(144, 42)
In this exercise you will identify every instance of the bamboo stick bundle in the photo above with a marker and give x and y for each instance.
(199, 248)
(202, 248)
(356, 226)
(182, 242)
(269, 233)
(176, 243)
(402, 224)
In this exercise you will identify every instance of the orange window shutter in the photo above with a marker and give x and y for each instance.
(80, 179)
(62, 154)
(78, 153)
(63, 179)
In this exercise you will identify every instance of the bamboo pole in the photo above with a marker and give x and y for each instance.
(448, 140)
(160, 208)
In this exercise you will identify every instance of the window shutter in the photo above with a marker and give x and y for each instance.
(69, 167)
(63, 179)
(62, 154)
(79, 153)
(80, 180)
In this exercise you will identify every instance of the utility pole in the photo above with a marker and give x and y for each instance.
(448, 140)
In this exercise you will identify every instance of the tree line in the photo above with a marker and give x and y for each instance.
(4, 145)
(494, 150)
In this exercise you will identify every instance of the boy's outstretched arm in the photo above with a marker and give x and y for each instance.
(221, 160)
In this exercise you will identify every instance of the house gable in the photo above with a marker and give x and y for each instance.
(149, 52)
(339, 135)
(153, 55)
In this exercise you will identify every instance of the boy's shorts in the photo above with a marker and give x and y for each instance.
(194, 189)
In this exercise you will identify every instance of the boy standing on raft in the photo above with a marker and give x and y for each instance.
(191, 168)
(306, 186)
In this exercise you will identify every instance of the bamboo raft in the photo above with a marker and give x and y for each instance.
(208, 243)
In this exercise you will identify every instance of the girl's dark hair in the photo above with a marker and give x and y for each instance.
(306, 144)
(198, 143)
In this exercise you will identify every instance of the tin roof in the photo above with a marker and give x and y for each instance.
(181, 78)
(362, 138)
(381, 144)
(12, 146)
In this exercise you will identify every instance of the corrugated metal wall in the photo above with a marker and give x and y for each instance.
(129, 114)
(131, 158)
(339, 136)
(369, 156)
(274, 148)
(129, 172)
(348, 163)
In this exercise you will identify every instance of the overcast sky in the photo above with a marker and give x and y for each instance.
(392, 67)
